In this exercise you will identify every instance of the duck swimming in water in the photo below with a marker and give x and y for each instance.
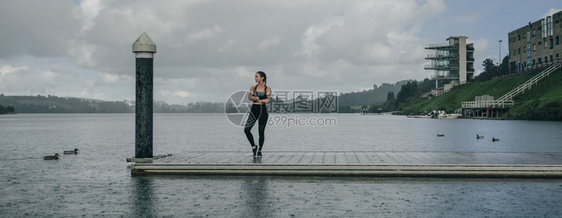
(52, 157)
(75, 151)
(495, 139)
(479, 136)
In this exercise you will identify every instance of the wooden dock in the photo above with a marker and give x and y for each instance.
(360, 163)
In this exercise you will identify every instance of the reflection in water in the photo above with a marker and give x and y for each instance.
(143, 198)
(256, 198)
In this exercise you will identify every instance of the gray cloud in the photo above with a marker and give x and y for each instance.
(208, 49)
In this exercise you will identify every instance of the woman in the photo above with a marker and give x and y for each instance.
(259, 95)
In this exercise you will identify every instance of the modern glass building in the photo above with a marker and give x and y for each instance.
(452, 63)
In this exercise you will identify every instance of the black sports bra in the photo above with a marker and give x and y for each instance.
(260, 95)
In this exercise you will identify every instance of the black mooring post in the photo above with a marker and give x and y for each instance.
(144, 49)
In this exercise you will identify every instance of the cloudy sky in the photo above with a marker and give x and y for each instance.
(208, 49)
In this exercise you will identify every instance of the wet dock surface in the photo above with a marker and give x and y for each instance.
(360, 163)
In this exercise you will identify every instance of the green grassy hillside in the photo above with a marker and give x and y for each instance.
(542, 102)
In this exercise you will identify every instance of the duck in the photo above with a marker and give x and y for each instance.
(52, 157)
(495, 139)
(75, 151)
(479, 136)
(440, 135)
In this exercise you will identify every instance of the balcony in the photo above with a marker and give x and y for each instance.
(441, 67)
(441, 46)
(435, 57)
(445, 77)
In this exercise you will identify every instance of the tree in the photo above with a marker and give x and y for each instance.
(490, 70)
(426, 85)
(489, 66)
(390, 96)
(408, 91)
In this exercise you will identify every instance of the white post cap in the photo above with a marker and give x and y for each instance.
(144, 47)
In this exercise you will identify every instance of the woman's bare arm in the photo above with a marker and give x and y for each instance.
(251, 96)
(265, 101)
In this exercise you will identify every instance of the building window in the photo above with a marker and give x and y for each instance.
(557, 40)
(540, 60)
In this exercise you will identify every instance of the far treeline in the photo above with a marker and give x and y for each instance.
(54, 104)
(6, 110)
(385, 97)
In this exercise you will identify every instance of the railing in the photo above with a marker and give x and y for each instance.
(433, 77)
(438, 45)
(434, 56)
(487, 104)
(441, 45)
(507, 99)
(528, 85)
(441, 67)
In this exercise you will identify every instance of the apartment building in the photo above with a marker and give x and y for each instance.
(536, 45)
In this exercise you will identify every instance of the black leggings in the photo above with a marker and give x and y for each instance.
(257, 113)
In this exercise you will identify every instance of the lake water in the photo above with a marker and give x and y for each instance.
(98, 181)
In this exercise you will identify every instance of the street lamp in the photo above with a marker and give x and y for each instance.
(500, 51)
(500, 55)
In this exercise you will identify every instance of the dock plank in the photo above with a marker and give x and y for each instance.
(351, 158)
(387, 158)
(228, 157)
(363, 158)
(413, 157)
(285, 157)
(296, 158)
(307, 158)
(340, 158)
(318, 158)
(242, 158)
(373, 157)
(208, 158)
(271, 157)
(329, 158)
